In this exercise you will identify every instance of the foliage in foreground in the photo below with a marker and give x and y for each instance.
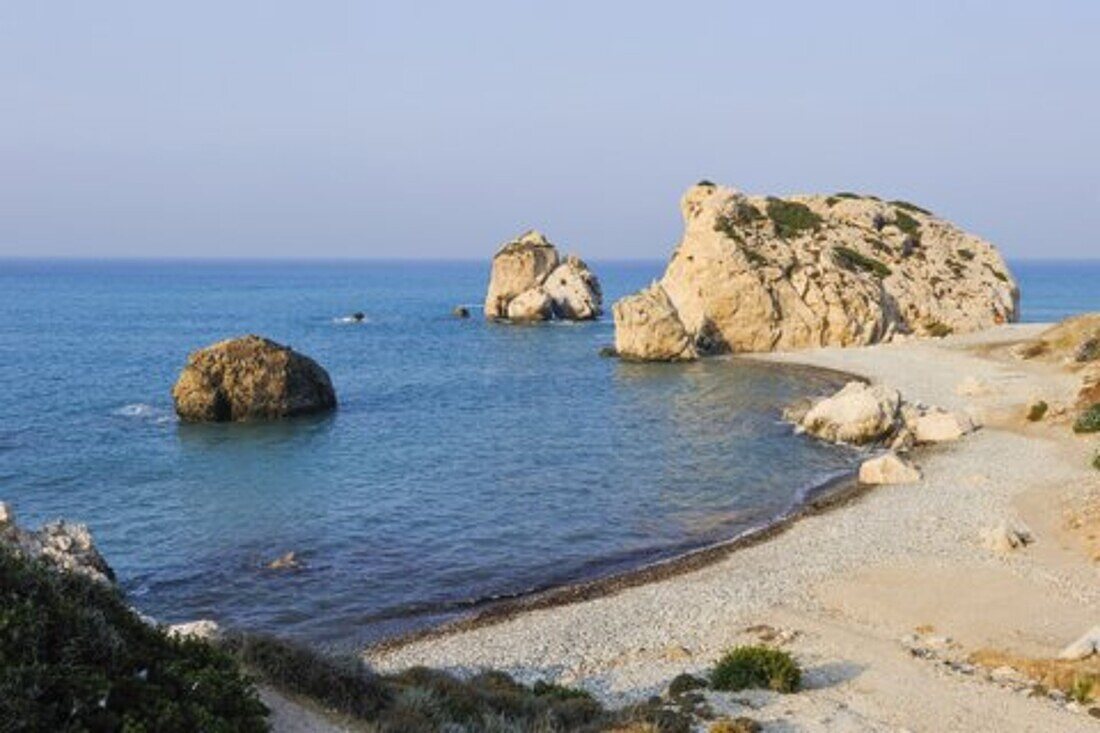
(756, 666)
(425, 700)
(73, 656)
(1088, 421)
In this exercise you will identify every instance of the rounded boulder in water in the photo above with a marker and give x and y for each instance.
(251, 378)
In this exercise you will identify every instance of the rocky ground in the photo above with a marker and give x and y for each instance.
(901, 611)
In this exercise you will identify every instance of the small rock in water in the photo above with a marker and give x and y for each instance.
(289, 561)
(358, 316)
(461, 311)
(608, 352)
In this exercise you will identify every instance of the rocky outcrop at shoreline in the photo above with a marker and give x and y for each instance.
(63, 544)
(250, 378)
(762, 274)
(530, 282)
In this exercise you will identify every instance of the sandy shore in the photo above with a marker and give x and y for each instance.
(844, 587)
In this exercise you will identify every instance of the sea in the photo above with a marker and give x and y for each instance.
(468, 462)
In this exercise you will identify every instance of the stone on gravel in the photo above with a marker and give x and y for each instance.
(888, 469)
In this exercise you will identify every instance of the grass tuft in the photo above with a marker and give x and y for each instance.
(910, 207)
(854, 261)
(906, 223)
(756, 667)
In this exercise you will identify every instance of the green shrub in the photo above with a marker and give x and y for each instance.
(910, 207)
(1088, 421)
(966, 254)
(1037, 411)
(791, 218)
(685, 682)
(850, 259)
(743, 213)
(906, 223)
(74, 656)
(705, 182)
(846, 195)
(756, 666)
(1096, 461)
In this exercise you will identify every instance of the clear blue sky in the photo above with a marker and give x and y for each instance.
(427, 129)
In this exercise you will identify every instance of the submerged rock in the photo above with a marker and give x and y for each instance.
(648, 328)
(460, 311)
(759, 274)
(528, 270)
(65, 545)
(250, 378)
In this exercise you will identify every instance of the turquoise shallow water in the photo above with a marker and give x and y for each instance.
(467, 460)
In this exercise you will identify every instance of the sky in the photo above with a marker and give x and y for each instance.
(439, 130)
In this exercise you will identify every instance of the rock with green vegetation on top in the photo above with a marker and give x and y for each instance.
(530, 282)
(758, 273)
(250, 378)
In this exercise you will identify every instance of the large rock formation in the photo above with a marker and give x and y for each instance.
(647, 327)
(250, 378)
(67, 546)
(760, 274)
(529, 282)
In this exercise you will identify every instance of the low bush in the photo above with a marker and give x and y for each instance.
(906, 223)
(1088, 421)
(74, 656)
(791, 218)
(910, 207)
(850, 259)
(756, 666)
(1037, 410)
(685, 682)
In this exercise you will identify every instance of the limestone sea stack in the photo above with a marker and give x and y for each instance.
(762, 274)
(250, 378)
(530, 282)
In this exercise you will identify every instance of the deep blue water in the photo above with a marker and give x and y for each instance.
(467, 460)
